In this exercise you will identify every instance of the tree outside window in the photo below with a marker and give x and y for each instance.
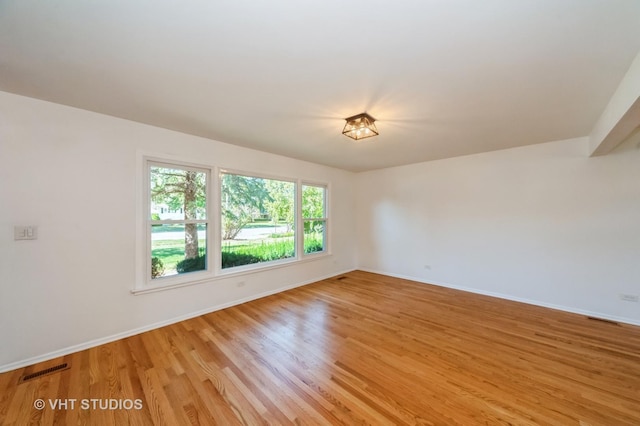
(177, 219)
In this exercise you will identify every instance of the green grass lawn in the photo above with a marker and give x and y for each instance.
(170, 252)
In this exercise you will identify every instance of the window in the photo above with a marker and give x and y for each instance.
(314, 218)
(177, 220)
(257, 220)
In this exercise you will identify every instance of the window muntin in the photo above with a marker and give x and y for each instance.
(177, 220)
(314, 218)
(257, 217)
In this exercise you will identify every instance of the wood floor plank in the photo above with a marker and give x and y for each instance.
(362, 349)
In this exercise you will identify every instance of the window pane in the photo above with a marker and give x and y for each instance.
(177, 249)
(313, 202)
(257, 220)
(314, 236)
(177, 194)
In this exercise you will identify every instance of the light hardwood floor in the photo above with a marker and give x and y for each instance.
(365, 349)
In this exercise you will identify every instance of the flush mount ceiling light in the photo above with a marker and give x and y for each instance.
(360, 126)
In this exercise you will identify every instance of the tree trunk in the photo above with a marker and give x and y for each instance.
(190, 229)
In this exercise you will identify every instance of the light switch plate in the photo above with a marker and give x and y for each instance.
(25, 233)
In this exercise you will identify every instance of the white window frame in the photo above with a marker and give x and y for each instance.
(144, 284)
(149, 283)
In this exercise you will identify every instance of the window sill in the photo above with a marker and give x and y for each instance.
(152, 287)
(229, 273)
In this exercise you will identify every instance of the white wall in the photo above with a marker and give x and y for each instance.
(73, 174)
(543, 223)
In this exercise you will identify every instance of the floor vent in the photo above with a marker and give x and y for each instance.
(41, 373)
(604, 320)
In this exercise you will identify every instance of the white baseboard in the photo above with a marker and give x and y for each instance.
(509, 297)
(101, 341)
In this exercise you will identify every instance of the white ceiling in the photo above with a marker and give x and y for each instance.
(443, 77)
